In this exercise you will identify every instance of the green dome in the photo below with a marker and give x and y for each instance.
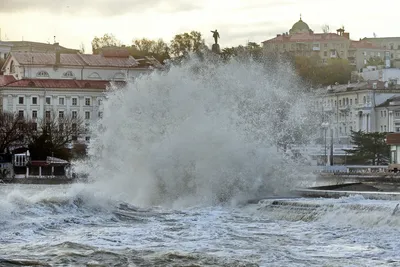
(299, 27)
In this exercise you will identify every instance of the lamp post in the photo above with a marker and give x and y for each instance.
(325, 126)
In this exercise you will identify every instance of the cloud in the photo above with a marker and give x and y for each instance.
(102, 7)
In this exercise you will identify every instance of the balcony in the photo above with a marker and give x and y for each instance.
(364, 105)
(344, 108)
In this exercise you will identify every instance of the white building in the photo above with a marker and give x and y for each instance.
(385, 75)
(36, 85)
(360, 106)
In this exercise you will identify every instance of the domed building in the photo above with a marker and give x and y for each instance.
(300, 27)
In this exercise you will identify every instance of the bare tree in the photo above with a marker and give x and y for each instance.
(12, 130)
(54, 133)
(82, 48)
(326, 28)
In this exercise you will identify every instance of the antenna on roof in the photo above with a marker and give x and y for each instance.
(54, 39)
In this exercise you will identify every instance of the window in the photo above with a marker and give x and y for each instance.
(74, 101)
(34, 100)
(48, 100)
(74, 114)
(385, 128)
(351, 101)
(100, 114)
(94, 76)
(68, 74)
(87, 138)
(381, 128)
(73, 126)
(12, 67)
(325, 53)
(34, 126)
(61, 127)
(99, 101)
(34, 114)
(87, 115)
(61, 101)
(48, 114)
(21, 100)
(87, 101)
(61, 114)
(42, 74)
(21, 113)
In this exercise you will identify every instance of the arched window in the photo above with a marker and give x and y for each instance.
(42, 74)
(12, 67)
(94, 76)
(68, 74)
(119, 76)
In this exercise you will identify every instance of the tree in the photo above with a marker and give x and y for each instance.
(82, 48)
(371, 148)
(52, 136)
(107, 40)
(12, 130)
(146, 47)
(336, 71)
(186, 43)
(326, 28)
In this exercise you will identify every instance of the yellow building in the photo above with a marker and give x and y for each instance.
(302, 41)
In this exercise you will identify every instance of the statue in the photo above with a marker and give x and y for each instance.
(216, 36)
(215, 47)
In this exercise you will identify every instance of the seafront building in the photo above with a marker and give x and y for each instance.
(302, 41)
(369, 106)
(38, 85)
(391, 46)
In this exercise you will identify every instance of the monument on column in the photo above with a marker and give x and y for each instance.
(215, 47)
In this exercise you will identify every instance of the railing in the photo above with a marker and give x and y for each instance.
(352, 169)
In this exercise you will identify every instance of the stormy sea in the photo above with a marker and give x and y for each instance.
(186, 168)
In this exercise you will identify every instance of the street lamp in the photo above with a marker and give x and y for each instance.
(325, 126)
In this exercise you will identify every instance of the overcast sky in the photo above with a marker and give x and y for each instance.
(77, 21)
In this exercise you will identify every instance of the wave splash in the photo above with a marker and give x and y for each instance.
(202, 132)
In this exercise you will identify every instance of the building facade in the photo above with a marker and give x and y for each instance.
(392, 47)
(363, 106)
(302, 41)
(41, 85)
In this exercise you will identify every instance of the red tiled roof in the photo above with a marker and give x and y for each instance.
(47, 59)
(6, 79)
(74, 60)
(60, 83)
(306, 37)
(100, 60)
(363, 44)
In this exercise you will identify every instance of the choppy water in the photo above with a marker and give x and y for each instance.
(68, 226)
(171, 162)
